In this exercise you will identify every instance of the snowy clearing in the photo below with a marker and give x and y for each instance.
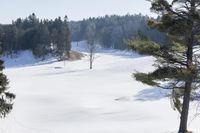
(52, 98)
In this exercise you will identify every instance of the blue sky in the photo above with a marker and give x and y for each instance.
(74, 9)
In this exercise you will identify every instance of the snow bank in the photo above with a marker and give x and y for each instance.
(25, 58)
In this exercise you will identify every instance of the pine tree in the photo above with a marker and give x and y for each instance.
(41, 41)
(177, 63)
(61, 38)
(6, 97)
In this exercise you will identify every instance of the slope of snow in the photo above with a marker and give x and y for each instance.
(25, 58)
(53, 98)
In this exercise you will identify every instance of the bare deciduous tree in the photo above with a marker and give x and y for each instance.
(91, 42)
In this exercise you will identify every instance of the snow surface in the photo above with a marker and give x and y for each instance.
(53, 98)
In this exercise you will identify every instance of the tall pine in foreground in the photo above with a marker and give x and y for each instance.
(177, 64)
(6, 97)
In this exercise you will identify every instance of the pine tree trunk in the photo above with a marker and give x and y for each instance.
(185, 109)
(188, 86)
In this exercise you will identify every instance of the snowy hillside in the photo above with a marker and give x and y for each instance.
(53, 98)
(25, 58)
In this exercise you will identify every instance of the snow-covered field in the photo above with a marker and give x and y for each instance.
(53, 98)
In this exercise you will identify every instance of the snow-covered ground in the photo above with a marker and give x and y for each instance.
(53, 98)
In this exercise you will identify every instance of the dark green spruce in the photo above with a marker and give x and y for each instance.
(6, 98)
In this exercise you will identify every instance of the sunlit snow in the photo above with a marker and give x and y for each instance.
(53, 98)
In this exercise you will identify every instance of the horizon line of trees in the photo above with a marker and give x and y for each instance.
(45, 36)
(54, 37)
(113, 31)
(42, 37)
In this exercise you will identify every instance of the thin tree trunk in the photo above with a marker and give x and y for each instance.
(68, 54)
(185, 108)
(91, 56)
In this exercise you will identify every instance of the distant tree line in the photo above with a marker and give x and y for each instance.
(54, 36)
(111, 31)
(40, 36)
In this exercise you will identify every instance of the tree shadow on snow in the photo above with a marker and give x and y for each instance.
(149, 94)
(61, 72)
(152, 94)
